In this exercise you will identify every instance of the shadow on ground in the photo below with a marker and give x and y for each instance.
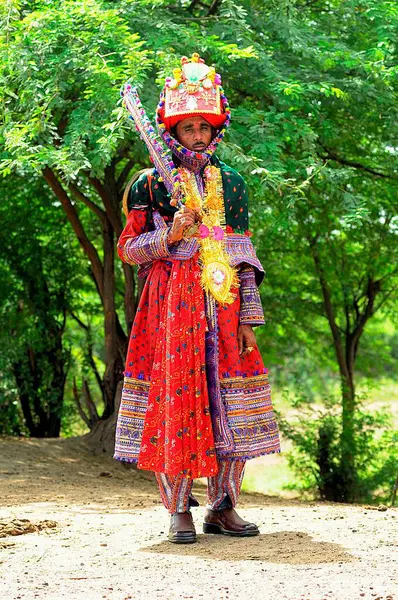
(292, 547)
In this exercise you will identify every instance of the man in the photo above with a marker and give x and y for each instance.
(196, 398)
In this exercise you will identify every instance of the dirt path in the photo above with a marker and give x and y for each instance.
(109, 539)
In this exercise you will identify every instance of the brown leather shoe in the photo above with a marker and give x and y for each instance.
(228, 522)
(182, 529)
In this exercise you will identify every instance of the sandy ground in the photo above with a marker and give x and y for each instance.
(109, 539)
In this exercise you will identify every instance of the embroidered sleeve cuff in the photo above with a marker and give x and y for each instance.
(251, 311)
(147, 247)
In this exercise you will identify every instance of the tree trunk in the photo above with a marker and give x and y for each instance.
(42, 403)
(104, 277)
(101, 438)
(345, 485)
(328, 475)
(56, 360)
(115, 340)
(19, 370)
(347, 464)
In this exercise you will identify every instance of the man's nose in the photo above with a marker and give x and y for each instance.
(197, 134)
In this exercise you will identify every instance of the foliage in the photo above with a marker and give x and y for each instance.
(63, 63)
(38, 271)
(316, 458)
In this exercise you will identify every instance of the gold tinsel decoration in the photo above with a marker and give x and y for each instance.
(218, 277)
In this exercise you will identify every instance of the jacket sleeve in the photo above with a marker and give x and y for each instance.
(138, 245)
(251, 310)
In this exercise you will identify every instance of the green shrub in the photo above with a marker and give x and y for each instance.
(316, 458)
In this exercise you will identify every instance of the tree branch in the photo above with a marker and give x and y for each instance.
(73, 217)
(76, 318)
(386, 297)
(95, 370)
(329, 308)
(79, 405)
(373, 289)
(90, 356)
(90, 403)
(92, 409)
(331, 155)
(91, 205)
(214, 7)
(388, 275)
(123, 175)
(109, 198)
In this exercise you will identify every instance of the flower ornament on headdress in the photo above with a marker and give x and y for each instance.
(194, 89)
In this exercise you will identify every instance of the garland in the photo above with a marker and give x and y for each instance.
(218, 277)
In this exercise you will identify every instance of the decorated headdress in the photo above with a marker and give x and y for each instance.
(194, 90)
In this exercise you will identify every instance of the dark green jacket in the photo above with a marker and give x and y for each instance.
(235, 197)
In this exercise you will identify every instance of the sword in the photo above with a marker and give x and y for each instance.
(161, 156)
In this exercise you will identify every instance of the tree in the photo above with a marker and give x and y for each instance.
(338, 236)
(316, 148)
(37, 277)
(64, 64)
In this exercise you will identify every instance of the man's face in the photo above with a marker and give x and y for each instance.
(194, 133)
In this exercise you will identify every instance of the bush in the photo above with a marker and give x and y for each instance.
(316, 458)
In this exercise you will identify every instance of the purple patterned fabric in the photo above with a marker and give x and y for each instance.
(241, 250)
(251, 310)
(176, 491)
(147, 247)
(150, 246)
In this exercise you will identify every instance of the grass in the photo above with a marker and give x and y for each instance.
(269, 477)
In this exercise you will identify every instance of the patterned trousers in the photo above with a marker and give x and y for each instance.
(222, 490)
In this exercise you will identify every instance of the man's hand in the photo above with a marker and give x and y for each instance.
(246, 339)
(183, 218)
